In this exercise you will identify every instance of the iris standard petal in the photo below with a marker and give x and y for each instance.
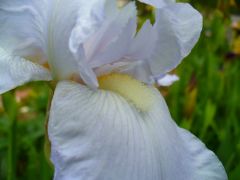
(116, 50)
(143, 45)
(108, 44)
(155, 50)
(71, 23)
(98, 135)
(178, 26)
(15, 71)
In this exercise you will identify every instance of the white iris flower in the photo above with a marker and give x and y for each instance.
(107, 124)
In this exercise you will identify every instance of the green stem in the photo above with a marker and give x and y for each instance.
(12, 150)
(11, 110)
(47, 143)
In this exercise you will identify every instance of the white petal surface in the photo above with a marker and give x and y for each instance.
(158, 3)
(15, 71)
(143, 45)
(167, 80)
(23, 26)
(178, 26)
(117, 49)
(52, 29)
(30, 27)
(111, 41)
(71, 23)
(98, 135)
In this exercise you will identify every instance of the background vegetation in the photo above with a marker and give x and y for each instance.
(206, 100)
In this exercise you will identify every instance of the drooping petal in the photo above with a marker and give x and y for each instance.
(15, 71)
(178, 26)
(209, 165)
(158, 3)
(100, 135)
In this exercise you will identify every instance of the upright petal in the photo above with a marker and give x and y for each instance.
(154, 51)
(143, 45)
(71, 23)
(178, 26)
(119, 48)
(15, 71)
(112, 39)
(100, 135)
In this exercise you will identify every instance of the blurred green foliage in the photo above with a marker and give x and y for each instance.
(28, 148)
(205, 101)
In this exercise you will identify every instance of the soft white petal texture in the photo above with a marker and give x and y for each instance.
(167, 80)
(122, 3)
(178, 26)
(139, 70)
(143, 45)
(23, 26)
(52, 29)
(31, 27)
(98, 135)
(154, 51)
(71, 23)
(117, 49)
(158, 3)
(15, 71)
(111, 41)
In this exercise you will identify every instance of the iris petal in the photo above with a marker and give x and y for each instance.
(178, 26)
(167, 80)
(99, 135)
(40, 27)
(15, 71)
(158, 3)
(23, 26)
(71, 23)
(143, 45)
(117, 49)
(154, 51)
(111, 42)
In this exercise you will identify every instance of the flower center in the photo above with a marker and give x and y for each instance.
(131, 89)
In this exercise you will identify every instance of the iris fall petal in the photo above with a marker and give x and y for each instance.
(100, 135)
(15, 71)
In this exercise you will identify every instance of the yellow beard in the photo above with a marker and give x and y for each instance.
(131, 89)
